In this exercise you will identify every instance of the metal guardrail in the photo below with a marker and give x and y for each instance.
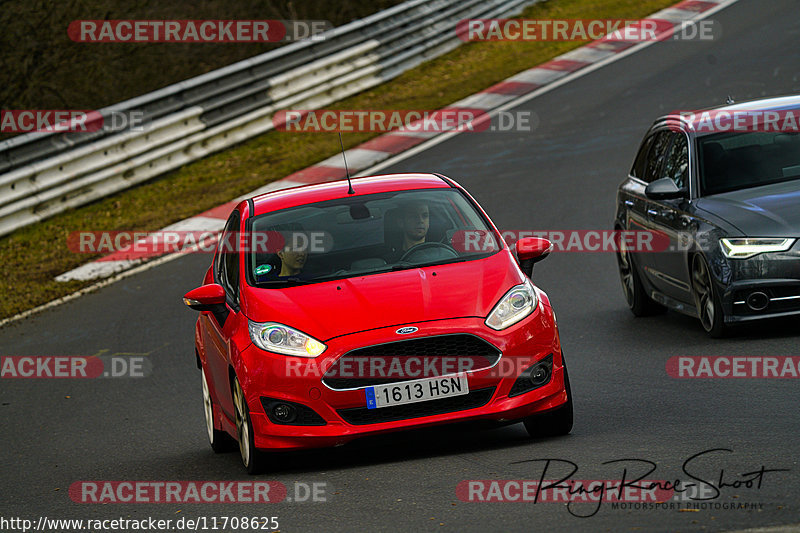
(42, 174)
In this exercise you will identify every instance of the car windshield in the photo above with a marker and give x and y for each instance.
(732, 161)
(363, 235)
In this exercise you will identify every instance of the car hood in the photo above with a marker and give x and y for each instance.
(339, 307)
(766, 211)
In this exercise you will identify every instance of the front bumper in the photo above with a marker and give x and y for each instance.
(346, 417)
(749, 300)
(771, 280)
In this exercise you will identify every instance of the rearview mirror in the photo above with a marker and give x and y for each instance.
(205, 298)
(531, 250)
(664, 189)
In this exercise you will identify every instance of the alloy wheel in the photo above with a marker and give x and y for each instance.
(626, 275)
(208, 409)
(242, 425)
(703, 293)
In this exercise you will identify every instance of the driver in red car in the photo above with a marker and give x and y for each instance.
(414, 224)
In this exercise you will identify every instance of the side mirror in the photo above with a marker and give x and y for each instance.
(205, 298)
(531, 250)
(664, 189)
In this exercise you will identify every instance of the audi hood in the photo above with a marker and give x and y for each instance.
(766, 211)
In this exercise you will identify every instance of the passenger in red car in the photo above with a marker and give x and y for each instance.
(292, 261)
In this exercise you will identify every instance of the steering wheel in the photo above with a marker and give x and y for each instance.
(422, 247)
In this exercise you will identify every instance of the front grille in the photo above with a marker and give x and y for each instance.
(361, 415)
(405, 360)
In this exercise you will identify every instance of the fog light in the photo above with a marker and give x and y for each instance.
(757, 301)
(290, 413)
(535, 376)
(284, 412)
(540, 375)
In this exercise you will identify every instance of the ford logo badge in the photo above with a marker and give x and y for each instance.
(406, 331)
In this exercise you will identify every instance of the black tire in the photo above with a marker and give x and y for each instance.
(553, 423)
(706, 299)
(219, 440)
(639, 302)
(253, 460)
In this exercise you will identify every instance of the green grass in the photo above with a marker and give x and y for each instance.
(33, 256)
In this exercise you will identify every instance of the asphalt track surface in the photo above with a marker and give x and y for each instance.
(563, 175)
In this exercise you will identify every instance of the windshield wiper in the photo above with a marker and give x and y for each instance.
(406, 266)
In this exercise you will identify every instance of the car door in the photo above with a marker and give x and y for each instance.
(668, 217)
(220, 327)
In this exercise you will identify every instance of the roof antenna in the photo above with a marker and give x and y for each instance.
(347, 172)
(729, 101)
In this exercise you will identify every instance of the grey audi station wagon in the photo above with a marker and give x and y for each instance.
(722, 187)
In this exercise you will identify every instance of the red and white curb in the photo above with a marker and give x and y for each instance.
(381, 148)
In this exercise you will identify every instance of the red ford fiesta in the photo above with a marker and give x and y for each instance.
(331, 313)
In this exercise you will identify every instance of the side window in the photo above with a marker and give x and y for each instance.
(226, 269)
(641, 158)
(232, 270)
(656, 155)
(676, 163)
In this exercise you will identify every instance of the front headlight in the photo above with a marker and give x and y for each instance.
(743, 248)
(274, 337)
(515, 305)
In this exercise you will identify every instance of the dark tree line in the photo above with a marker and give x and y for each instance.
(41, 68)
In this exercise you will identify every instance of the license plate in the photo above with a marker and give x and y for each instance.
(418, 390)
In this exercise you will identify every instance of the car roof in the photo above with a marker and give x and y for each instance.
(309, 194)
(778, 103)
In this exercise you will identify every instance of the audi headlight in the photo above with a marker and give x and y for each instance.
(743, 248)
(515, 305)
(274, 337)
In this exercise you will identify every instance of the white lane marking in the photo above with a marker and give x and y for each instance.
(196, 223)
(539, 76)
(278, 185)
(416, 132)
(97, 269)
(587, 54)
(674, 15)
(357, 158)
(482, 101)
